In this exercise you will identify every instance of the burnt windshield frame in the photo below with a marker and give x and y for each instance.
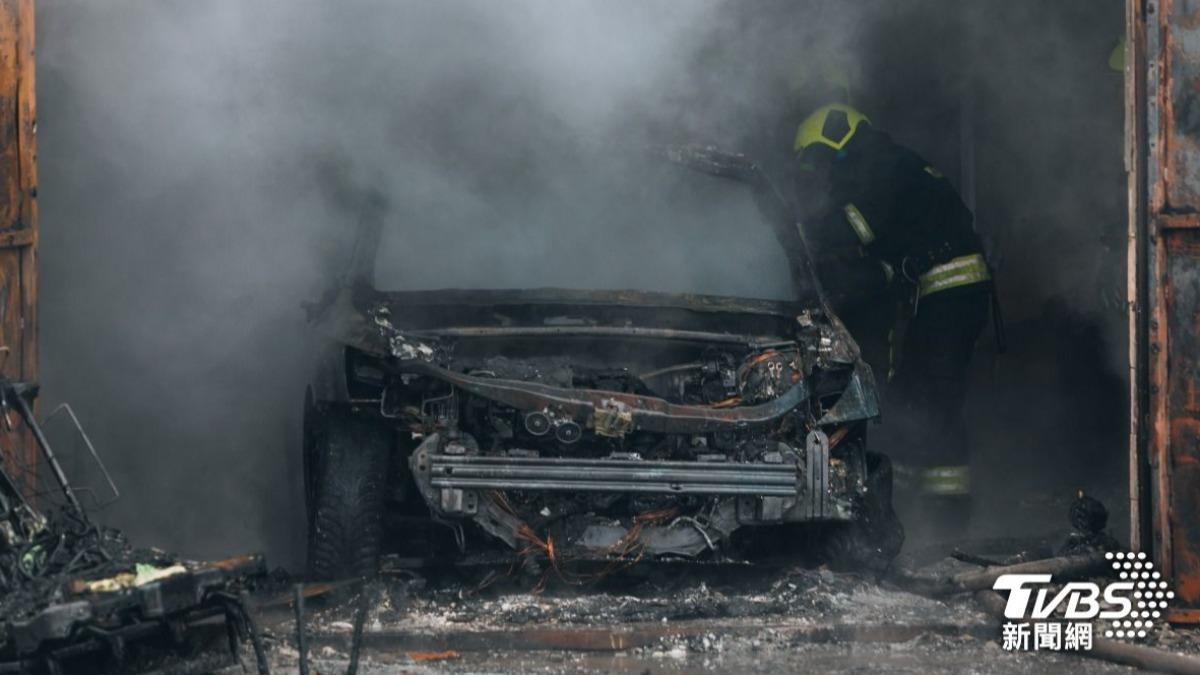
(721, 165)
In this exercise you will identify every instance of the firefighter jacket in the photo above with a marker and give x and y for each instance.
(888, 219)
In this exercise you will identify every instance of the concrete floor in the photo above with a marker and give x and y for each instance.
(723, 621)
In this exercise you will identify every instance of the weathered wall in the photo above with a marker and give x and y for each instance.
(18, 206)
(1167, 141)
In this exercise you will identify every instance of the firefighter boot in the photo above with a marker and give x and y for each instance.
(945, 503)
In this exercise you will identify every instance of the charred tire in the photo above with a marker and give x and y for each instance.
(311, 432)
(873, 541)
(347, 487)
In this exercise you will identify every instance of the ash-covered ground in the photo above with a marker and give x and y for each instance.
(733, 618)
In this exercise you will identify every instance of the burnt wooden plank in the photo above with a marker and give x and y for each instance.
(18, 210)
(10, 67)
(638, 635)
(1182, 457)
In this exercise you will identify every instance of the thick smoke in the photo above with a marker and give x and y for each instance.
(203, 166)
(187, 151)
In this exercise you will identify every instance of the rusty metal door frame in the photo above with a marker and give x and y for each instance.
(1162, 75)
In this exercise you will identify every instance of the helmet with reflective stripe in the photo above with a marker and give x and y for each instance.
(833, 125)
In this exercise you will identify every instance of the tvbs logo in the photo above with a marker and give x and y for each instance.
(1126, 609)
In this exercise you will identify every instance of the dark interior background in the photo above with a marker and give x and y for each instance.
(202, 164)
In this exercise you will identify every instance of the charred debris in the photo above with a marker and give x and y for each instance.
(77, 597)
(633, 426)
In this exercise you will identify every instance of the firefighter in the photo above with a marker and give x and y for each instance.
(893, 239)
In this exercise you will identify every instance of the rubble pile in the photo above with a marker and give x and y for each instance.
(792, 593)
(726, 619)
(76, 597)
(66, 551)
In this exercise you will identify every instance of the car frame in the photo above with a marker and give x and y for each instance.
(554, 426)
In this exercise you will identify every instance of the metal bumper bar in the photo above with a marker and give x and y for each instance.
(613, 475)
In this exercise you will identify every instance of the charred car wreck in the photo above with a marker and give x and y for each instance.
(616, 426)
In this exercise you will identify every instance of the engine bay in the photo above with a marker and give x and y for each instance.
(590, 446)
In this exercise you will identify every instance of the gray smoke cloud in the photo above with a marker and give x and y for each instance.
(203, 166)
(188, 152)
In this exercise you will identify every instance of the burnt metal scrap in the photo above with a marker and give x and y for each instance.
(791, 483)
(583, 425)
(81, 621)
(77, 597)
(602, 410)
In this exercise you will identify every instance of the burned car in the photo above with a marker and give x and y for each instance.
(554, 424)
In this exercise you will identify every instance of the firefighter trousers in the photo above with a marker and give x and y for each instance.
(927, 398)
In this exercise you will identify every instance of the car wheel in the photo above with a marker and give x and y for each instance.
(347, 488)
(311, 431)
(875, 539)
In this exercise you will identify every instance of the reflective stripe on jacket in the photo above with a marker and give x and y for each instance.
(946, 480)
(961, 271)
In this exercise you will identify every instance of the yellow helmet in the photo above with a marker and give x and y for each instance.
(833, 125)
